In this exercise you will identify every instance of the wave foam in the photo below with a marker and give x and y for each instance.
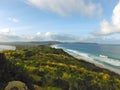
(109, 61)
(101, 60)
(95, 59)
(81, 55)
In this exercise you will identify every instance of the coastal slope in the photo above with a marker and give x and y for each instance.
(54, 69)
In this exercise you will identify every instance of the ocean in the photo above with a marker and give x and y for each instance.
(7, 47)
(106, 56)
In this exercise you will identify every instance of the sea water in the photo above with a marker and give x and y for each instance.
(7, 47)
(106, 56)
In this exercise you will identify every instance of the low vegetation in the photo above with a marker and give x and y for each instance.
(54, 69)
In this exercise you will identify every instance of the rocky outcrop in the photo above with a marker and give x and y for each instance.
(16, 85)
(10, 72)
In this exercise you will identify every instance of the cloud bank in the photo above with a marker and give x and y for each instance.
(68, 7)
(48, 36)
(113, 26)
(7, 35)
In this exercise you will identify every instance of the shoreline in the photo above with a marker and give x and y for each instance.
(7, 47)
(61, 67)
(95, 63)
(90, 60)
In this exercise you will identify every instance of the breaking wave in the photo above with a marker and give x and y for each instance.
(101, 60)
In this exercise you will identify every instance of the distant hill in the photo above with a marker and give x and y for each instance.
(32, 42)
(42, 43)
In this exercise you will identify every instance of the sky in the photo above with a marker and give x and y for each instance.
(96, 21)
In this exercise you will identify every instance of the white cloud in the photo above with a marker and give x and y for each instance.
(68, 7)
(59, 37)
(39, 33)
(113, 26)
(48, 34)
(5, 31)
(116, 16)
(15, 20)
(6, 35)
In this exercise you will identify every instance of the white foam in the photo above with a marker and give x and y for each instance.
(81, 55)
(56, 46)
(98, 61)
(109, 61)
(77, 53)
(101, 60)
(103, 56)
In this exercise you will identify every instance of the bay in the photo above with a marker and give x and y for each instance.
(7, 47)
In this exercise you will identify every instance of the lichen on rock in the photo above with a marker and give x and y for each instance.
(16, 85)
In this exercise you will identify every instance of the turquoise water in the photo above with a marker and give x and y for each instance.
(7, 47)
(107, 56)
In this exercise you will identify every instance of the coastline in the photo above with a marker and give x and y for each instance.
(88, 60)
(7, 47)
(43, 61)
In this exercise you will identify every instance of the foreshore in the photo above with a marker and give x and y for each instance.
(90, 60)
(100, 65)
(41, 64)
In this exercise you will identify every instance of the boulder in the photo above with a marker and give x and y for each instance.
(16, 85)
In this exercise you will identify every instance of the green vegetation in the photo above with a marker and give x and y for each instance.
(10, 72)
(54, 69)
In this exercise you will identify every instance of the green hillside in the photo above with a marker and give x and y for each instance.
(54, 69)
(10, 72)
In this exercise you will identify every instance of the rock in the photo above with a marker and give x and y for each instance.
(16, 85)
(37, 87)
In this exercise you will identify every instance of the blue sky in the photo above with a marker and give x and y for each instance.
(61, 20)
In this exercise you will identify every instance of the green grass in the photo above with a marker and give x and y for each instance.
(56, 70)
